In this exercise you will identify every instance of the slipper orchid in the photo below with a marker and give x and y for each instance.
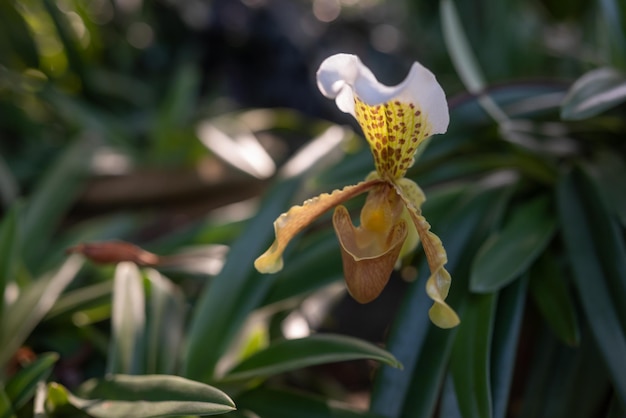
(395, 121)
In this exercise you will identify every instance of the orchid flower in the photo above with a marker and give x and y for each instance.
(395, 121)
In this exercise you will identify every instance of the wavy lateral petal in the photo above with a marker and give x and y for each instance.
(438, 284)
(416, 196)
(366, 273)
(297, 218)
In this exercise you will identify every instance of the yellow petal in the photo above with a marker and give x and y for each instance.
(394, 130)
(297, 218)
(367, 268)
(438, 284)
(413, 193)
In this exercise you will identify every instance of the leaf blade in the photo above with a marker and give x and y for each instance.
(594, 295)
(507, 254)
(120, 396)
(287, 355)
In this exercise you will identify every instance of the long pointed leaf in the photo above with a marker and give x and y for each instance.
(506, 334)
(165, 324)
(237, 290)
(591, 280)
(9, 253)
(283, 404)
(470, 361)
(552, 296)
(32, 305)
(122, 396)
(6, 410)
(53, 196)
(128, 321)
(507, 254)
(294, 354)
(22, 386)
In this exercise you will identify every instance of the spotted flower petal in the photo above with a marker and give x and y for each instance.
(297, 218)
(394, 119)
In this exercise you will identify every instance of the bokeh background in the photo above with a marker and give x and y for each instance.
(186, 127)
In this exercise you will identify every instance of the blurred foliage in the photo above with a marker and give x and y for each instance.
(172, 124)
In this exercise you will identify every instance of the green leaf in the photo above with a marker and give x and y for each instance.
(614, 26)
(226, 302)
(128, 321)
(68, 39)
(594, 93)
(6, 409)
(507, 254)
(32, 305)
(166, 316)
(283, 404)
(610, 172)
(9, 188)
(464, 59)
(22, 386)
(590, 279)
(553, 299)
(312, 266)
(16, 36)
(506, 335)
(9, 252)
(122, 396)
(610, 245)
(53, 196)
(470, 357)
(287, 355)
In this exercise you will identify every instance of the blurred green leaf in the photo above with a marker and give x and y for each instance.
(312, 266)
(614, 24)
(236, 291)
(287, 355)
(593, 93)
(174, 115)
(509, 252)
(21, 387)
(52, 197)
(610, 171)
(552, 296)
(128, 321)
(6, 409)
(459, 48)
(610, 245)
(590, 279)
(68, 38)
(506, 335)
(15, 38)
(9, 187)
(149, 396)
(82, 298)
(283, 404)
(577, 398)
(32, 305)
(464, 59)
(470, 359)
(558, 384)
(166, 316)
(9, 252)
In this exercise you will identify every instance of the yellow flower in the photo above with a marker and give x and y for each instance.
(395, 121)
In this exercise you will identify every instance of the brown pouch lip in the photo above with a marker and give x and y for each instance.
(367, 275)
